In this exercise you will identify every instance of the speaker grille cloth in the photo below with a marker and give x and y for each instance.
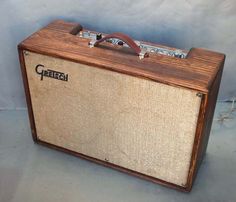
(135, 123)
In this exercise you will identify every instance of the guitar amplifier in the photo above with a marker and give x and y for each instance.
(138, 107)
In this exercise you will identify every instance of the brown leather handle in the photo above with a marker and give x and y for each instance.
(123, 37)
(76, 29)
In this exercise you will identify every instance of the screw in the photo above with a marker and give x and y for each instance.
(26, 52)
(199, 94)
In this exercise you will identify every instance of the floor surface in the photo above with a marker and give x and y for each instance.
(33, 173)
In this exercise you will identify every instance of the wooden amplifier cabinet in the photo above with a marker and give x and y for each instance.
(138, 107)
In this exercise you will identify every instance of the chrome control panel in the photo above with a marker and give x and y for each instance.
(144, 47)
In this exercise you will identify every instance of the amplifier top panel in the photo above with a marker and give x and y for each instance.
(194, 69)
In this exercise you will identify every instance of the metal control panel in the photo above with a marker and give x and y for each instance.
(145, 47)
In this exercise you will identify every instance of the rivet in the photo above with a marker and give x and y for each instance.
(25, 52)
(199, 94)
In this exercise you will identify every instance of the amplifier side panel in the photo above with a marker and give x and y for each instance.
(132, 122)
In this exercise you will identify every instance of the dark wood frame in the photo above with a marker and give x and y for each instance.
(200, 58)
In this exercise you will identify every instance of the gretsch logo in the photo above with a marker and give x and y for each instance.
(50, 73)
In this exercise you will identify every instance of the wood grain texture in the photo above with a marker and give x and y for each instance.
(200, 71)
(27, 94)
(208, 118)
(196, 72)
(205, 122)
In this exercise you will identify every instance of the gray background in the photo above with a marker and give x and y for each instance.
(182, 23)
